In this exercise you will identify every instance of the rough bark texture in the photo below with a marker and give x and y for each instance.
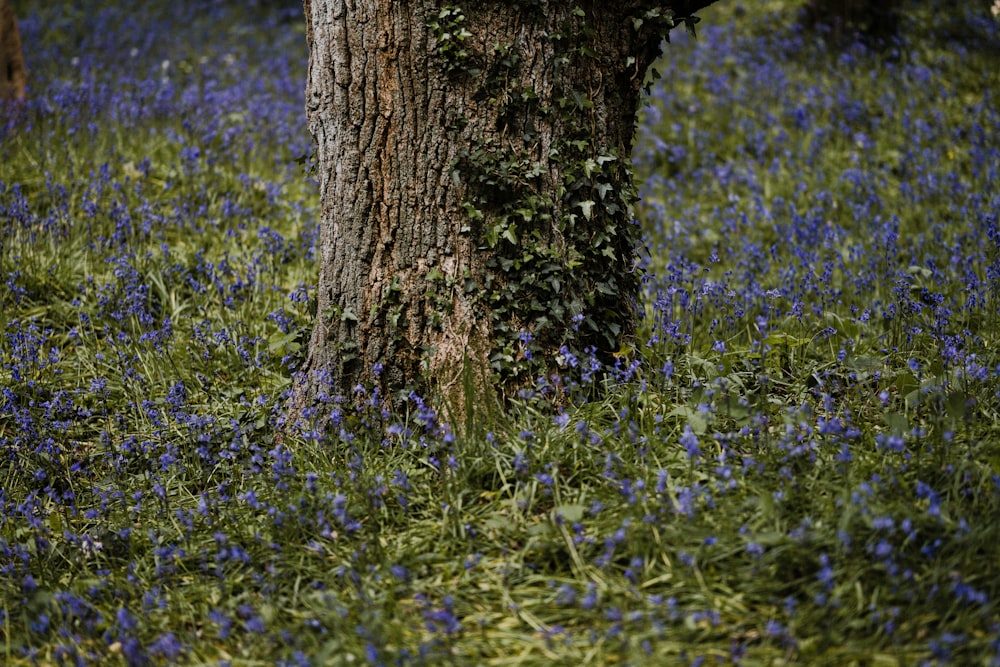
(13, 76)
(473, 160)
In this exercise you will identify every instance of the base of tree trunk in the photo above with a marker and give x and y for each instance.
(476, 191)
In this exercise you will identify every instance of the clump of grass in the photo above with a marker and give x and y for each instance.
(797, 464)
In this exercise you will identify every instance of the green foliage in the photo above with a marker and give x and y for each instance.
(663, 21)
(755, 484)
(561, 252)
(563, 271)
(450, 33)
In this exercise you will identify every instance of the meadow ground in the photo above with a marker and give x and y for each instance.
(797, 463)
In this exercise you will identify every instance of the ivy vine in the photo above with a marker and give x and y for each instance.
(548, 285)
(450, 34)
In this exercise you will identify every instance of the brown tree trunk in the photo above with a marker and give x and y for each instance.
(13, 76)
(473, 160)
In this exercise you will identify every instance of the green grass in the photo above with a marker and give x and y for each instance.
(801, 467)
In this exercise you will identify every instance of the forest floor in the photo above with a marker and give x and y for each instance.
(798, 463)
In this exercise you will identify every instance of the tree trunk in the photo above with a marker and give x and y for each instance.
(13, 77)
(474, 169)
(873, 18)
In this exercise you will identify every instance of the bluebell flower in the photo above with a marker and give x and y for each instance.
(167, 646)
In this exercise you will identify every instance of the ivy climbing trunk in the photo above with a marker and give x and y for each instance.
(473, 163)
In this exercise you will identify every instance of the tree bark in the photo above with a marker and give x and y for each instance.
(13, 76)
(474, 170)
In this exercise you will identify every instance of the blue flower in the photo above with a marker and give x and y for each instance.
(690, 442)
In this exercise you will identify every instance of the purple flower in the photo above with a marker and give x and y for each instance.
(167, 646)
(690, 442)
